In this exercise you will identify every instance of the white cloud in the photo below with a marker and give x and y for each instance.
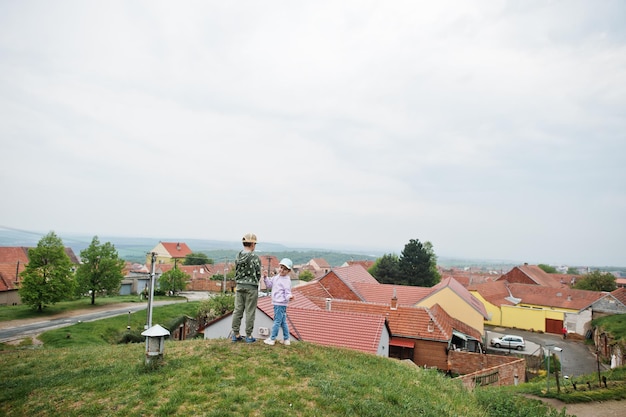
(492, 129)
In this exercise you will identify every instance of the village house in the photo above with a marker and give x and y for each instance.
(355, 283)
(13, 261)
(169, 253)
(534, 300)
(307, 322)
(423, 335)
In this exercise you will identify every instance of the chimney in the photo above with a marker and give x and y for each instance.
(328, 300)
(431, 326)
(394, 301)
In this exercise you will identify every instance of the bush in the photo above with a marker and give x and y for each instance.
(215, 307)
(131, 337)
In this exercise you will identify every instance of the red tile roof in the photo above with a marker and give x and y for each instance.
(354, 273)
(176, 249)
(382, 293)
(313, 289)
(364, 264)
(407, 322)
(563, 279)
(11, 257)
(12, 254)
(555, 297)
(469, 277)
(495, 293)
(620, 295)
(320, 263)
(269, 263)
(8, 277)
(340, 282)
(309, 323)
(462, 292)
(530, 274)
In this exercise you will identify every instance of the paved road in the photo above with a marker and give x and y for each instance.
(576, 357)
(27, 328)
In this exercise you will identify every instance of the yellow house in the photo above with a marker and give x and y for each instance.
(458, 302)
(169, 253)
(534, 307)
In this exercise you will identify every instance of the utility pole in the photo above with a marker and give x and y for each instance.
(151, 296)
(224, 277)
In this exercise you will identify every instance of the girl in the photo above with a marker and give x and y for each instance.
(281, 295)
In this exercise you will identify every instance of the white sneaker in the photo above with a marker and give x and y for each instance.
(286, 342)
(269, 342)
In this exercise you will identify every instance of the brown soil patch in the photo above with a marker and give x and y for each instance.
(594, 409)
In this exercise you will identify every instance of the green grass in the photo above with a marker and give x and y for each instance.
(218, 378)
(615, 325)
(112, 330)
(81, 372)
(588, 388)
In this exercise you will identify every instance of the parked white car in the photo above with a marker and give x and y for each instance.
(508, 342)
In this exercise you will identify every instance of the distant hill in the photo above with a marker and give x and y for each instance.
(135, 249)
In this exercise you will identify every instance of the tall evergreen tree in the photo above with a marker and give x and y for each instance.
(386, 269)
(418, 264)
(48, 277)
(100, 271)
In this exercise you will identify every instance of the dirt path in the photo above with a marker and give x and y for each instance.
(595, 409)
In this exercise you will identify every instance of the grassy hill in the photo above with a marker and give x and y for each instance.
(218, 378)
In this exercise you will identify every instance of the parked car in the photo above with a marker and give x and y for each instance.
(508, 341)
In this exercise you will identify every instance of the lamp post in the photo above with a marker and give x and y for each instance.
(551, 348)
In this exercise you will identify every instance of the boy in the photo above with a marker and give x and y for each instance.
(247, 277)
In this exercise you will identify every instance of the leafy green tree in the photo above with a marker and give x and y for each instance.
(48, 277)
(306, 276)
(416, 264)
(547, 268)
(572, 271)
(386, 269)
(428, 247)
(173, 280)
(197, 258)
(100, 271)
(596, 281)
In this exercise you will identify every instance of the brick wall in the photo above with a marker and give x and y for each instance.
(470, 365)
(431, 353)
(515, 275)
(337, 288)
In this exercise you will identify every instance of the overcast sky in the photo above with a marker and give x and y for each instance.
(493, 129)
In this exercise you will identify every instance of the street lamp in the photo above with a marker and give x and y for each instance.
(550, 349)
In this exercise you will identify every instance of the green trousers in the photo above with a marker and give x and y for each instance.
(246, 298)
